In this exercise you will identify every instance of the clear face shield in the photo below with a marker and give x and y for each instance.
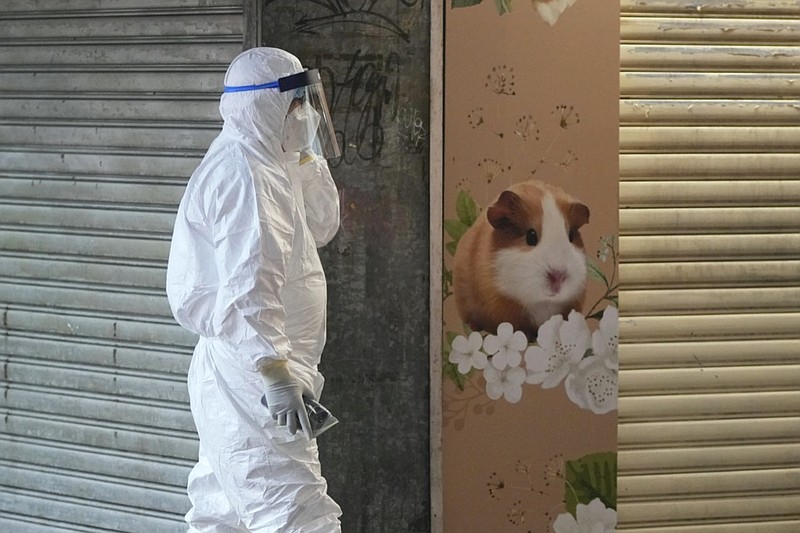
(308, 127)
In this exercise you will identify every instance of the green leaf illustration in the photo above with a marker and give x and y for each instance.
(451, 247)
(466, 208)
(592, 476)
(595, 272)
(455, 228)
(465, 3)
(450, 370)
(503, 6)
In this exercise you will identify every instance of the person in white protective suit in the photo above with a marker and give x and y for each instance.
(244, 274)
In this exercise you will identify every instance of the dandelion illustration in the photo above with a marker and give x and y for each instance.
(570, 159)
(527, 128)
(492, 169)
(495, 484)
(475, 117)
(516, 515)
(501, 80)
(567, 116)
(554, 470)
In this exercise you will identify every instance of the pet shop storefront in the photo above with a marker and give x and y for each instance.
(619, 246)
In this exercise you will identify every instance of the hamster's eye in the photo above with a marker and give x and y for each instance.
(572, 234)
(531, 238)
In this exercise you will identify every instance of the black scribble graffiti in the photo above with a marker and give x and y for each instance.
(364, 101)
(360, 12)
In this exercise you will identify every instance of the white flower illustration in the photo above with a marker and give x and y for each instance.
(561, 346)
(605, 340)
(593, 385)
(506, 383)
(467, 354)
(505, 347)
(592, 518)
(550, 10)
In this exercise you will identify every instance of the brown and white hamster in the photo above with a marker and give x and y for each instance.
(522, 261)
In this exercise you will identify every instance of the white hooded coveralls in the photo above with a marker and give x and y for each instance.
(244, 274)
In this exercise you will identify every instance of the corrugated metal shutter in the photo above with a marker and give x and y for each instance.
(709, 428)
(106, 107)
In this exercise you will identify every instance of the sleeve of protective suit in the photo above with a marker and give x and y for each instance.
(252, 245)
(321, 199)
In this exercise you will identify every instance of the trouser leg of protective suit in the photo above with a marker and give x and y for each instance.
(271, 480)
(211, 511)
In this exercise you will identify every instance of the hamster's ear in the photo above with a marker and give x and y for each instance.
(578, 216)
(507, 213)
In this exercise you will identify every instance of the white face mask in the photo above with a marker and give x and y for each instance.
(299, 128)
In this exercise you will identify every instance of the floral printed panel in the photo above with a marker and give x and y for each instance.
(530, 284)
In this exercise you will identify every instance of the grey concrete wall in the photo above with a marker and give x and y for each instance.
(374, 57)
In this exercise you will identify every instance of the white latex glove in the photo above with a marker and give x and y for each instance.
(284, 395)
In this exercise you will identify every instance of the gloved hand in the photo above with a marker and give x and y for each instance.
(284, 395)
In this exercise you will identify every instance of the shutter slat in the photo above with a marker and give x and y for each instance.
(705, 301)
(709, 58)
(707, 194)
(733, 167)
(708, 112)
(116, 328)
(39, 267)
(705, 139)
(61, 402)
(117, 355)
(116, 436)
(762, 430)
(710, 274)
(737, 512)
(709, 379)
(93, 488)
(708, 327)
(89, 379)
(708, 219)
(131, 82)
(176, 137)
(755, 8)
(721, 352)
(712, 484)
(100, 517)
(703, 406)
(54, 106)
(709, 247)
(699, 459)
(655, 29)
(46, 241)
(169, 471)
(92, 216)
(123, 190)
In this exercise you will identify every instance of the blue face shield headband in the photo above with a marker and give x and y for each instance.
(321, 137)
(287, 83)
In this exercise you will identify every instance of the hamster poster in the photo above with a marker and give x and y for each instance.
(523, 260)
(530, 254)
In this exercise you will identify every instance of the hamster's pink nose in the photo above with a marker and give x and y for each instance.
(556, 278)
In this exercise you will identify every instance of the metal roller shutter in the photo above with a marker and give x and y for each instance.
(709, 429)
(106, 107)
